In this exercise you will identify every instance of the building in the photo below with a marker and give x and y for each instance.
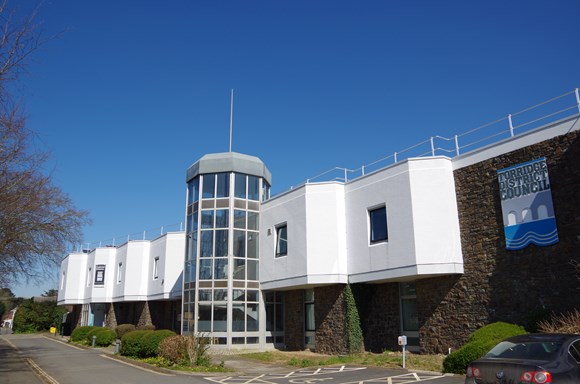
(432, 247)
(138, 282)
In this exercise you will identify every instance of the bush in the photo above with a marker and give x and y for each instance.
(150, 342)
(103, 336)
(174, 349)
(79, 335)
(146, 327)
(37, 316)
(122, 329)
(479, 343)
(131, 343)
(568, 322)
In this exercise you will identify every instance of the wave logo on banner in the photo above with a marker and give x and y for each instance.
(526, 203)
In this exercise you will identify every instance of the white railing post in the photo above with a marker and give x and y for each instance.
(432, 147)
(345, 175)
(577, 98)
(128, 237)
(144, 237)
(162, 230)
(395, 157)
(456, 145)
(511, 125)
(362, 170)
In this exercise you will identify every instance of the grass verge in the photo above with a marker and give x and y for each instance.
(433, 363)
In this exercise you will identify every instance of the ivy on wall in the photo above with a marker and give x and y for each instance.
(355, 339)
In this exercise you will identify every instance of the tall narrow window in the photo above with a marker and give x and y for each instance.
(378, 225)
(281, 240)
(119, 273)
(156, 268)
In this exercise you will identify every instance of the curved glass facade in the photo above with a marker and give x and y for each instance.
(221, 295)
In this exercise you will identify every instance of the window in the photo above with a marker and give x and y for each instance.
(119, 273)
(156, 268)
(281, 240)
(378, 225)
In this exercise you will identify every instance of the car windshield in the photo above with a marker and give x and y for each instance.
(544, 350)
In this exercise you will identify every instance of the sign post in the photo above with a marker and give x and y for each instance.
(403, 342)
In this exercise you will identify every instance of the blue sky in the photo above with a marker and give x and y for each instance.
(134, 92)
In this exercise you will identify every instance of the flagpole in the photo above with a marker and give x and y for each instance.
(231, 117)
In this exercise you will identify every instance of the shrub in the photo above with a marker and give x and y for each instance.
(79, 335)
(131, 343)
(122, 329)
(150, 342)
(174, 349)
(146, 327)
(479, 343)
(103, 336)
(568, 322)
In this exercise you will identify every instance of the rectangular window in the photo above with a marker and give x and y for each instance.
(156, 268)
(281, 240)
(119, 273)
(240, 186)
(378, 225)
(208, 186)
(223, 185)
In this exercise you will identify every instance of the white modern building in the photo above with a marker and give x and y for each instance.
(137, 282)
(424, 246)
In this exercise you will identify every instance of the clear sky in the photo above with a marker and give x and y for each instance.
(134, 92)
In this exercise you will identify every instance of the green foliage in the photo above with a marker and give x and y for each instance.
(197, 347)
(146, 327)
(103, 336)
(37, 317)
(354, 334)
(122, 329)
(174, 349)
(131, 343)
(150, 342)
(79, 335)
(479, 343)
(496, 332)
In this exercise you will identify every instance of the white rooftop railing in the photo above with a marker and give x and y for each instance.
(148, 234)
(549, 111)
(525, 120)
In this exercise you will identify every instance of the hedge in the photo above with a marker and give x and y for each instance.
(131, 343)
(150, 342)
(103, 336)
(79, 334)
(122, 329)
(479, 343)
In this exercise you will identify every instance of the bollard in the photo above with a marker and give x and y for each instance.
(94, 341)
(117, 345)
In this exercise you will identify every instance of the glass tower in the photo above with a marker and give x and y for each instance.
(221, 297)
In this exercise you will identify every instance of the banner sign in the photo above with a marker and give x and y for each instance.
(99, 274)
(526, 203)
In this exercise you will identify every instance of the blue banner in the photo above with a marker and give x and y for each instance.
(526, 203)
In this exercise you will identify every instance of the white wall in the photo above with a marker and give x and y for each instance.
(137, 282)
(329, 230)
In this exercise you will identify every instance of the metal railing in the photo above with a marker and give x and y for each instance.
(147, 234)
(546, 112)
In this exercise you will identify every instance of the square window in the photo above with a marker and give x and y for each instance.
(378, 225)
(281, 240)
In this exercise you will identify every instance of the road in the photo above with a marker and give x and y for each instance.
(37, 359)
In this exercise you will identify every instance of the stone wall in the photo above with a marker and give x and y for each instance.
(380, 315)
(330, 315)
(497, 284)
(294, 320)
